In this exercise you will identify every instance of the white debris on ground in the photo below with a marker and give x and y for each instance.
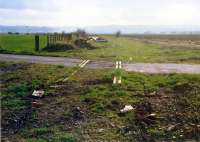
(127, 108)
(152, 115)
(38, 93)
(100, 130)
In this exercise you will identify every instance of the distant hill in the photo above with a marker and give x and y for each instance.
(126, 29)
(129, 29)
(25, 29)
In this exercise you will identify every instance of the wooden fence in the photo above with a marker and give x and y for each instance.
(59, 39)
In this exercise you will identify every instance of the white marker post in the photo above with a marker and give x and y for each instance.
(120, 64)
(120, 80)
(117, 79)
(117, 64)
(114, 80)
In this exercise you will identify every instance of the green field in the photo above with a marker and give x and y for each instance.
(87, 106)
(123, 48)
(21, 44)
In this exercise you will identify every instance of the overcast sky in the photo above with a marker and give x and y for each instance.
(99, 12)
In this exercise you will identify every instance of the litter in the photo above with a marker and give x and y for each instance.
(101, 130)
(127, 108)
(151, 116)
(38, 93)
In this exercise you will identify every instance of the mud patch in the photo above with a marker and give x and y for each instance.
(15, 121)
(115, 105)
(167, 116)
(13, 66)
(184, 88)
(190, 59)
(144, 113)
(72, 119)
(98, 81)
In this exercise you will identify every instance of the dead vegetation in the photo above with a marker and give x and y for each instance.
(168, 116)
(172, 41)
(87, 107)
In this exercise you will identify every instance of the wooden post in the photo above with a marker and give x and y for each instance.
(63, 38)
(54, 39)
(60, 37)
(49, 36)
(48, 40)
(51, 41)
(37, 43)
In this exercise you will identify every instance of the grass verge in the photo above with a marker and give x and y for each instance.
(87, 107)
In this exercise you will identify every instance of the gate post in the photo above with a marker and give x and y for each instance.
(37, 43)
(48, 40)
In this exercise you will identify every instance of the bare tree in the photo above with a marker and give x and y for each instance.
(81, 33)
(118, 33)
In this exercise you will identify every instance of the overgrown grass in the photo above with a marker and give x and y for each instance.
(21, 82)
(123, 48)
(138, 89)
(89, 104)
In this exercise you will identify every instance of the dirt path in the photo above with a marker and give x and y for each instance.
(40, 59)
(137, 67)
(156, 68)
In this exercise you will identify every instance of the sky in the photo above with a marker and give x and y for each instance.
(99, 12)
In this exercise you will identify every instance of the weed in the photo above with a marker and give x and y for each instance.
(117, 72)
(67, 137)
(60, 66)
(41, 131)
(20, 90)
(36, 140)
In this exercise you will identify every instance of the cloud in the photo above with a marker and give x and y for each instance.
(99, 12)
